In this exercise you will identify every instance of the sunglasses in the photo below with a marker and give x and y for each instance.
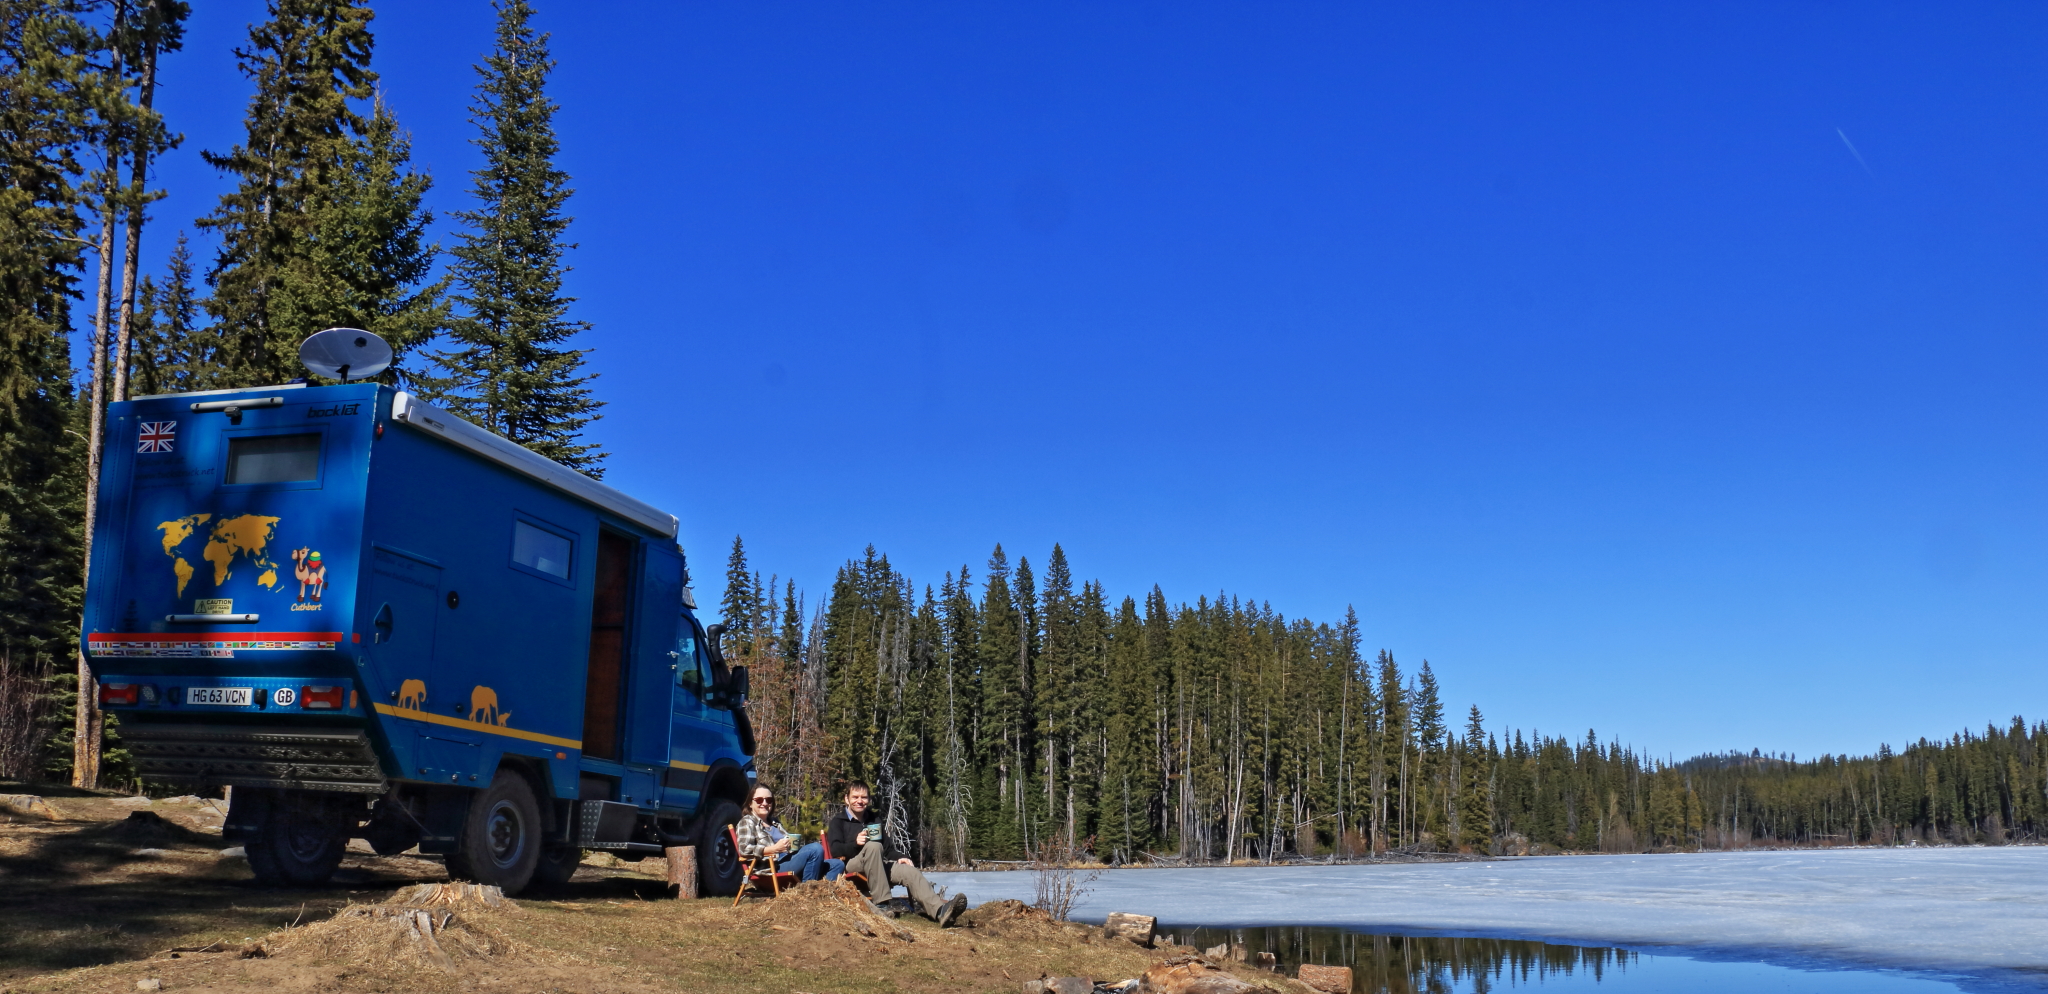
(764, 800)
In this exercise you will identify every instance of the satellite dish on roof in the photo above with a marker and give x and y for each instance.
(345, 354)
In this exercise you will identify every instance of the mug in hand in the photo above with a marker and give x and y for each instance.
(874, 833)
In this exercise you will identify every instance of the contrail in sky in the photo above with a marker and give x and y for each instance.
(1858, 155)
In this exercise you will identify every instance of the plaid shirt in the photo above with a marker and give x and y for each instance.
(754, 836)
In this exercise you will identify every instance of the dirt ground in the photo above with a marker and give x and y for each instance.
(102, 893)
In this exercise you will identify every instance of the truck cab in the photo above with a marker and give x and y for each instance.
(371, 619)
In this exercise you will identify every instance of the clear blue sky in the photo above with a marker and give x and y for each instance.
(1573, 344)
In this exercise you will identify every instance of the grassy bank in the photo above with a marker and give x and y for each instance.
(97, 891)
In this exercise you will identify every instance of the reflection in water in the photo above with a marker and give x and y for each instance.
(1402, 964)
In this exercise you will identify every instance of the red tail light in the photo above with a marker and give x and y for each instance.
(117, 693)
(322, 698)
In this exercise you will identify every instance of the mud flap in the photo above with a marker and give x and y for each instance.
(247, 809)
(442, 814)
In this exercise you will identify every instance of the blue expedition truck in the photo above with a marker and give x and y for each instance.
(375, 620)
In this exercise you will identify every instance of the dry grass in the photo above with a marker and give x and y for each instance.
(181, 919)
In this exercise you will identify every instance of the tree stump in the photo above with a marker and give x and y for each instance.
(1328, 979)
(682, 872)
(452, 895)
(1137, 928)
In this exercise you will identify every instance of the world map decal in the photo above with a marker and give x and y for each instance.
(243, 538)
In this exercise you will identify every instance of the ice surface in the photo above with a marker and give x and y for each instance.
(1980, 912)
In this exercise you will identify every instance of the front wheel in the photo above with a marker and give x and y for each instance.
(718, 863)
(296, 844)
(500, 842)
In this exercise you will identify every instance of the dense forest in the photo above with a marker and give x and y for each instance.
(1003, 709)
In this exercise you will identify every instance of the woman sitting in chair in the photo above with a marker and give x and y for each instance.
(760, 834)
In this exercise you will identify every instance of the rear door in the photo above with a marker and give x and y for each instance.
(230, 538)
(404, 598)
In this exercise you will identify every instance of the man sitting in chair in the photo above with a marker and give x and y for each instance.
(877, 859)
(760, 834)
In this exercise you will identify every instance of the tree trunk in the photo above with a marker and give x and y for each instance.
(89, 724)
(138, 190)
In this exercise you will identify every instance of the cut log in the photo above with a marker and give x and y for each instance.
(1192, 975)
(1328, 979)
(1137, 928)
(682, 872)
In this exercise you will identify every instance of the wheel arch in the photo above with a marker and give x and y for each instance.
(726, 781)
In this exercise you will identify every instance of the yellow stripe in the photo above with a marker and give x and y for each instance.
(679, 764)
(477, 726)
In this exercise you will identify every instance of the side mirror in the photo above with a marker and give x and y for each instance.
(736, 686)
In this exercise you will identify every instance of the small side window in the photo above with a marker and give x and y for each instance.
(690, 663)
(540, 550)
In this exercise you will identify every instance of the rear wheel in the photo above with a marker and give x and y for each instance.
(500, 842)
(718, 863)
(297, 843)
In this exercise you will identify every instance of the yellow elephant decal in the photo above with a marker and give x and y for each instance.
(483, 708)
(412, 695)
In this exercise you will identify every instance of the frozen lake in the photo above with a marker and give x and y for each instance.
(1978, 913)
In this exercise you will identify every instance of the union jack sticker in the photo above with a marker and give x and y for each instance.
(156, 436)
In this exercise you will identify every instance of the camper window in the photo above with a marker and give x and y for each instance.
(273, 458)
(690, 662)
(540, 550)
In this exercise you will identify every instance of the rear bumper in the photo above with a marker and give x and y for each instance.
(256, 756)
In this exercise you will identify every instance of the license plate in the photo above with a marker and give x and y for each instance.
(231, 696)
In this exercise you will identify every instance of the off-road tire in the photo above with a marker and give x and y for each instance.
(718, 863)
(297, 844)
(500, 843)
(556, 866)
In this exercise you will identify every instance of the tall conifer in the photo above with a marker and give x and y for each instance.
(326, 225)
(512, 370)
(49, 90)
(173, 352)
(310, 62)
(738, 608)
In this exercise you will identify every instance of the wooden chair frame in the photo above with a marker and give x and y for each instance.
(755, 874)
(826, 844)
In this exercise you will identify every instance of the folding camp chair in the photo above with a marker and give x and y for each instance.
(761, 872)
(826, 844)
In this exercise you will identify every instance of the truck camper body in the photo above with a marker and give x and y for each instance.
(374, 620)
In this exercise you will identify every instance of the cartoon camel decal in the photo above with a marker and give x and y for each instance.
(311, 573)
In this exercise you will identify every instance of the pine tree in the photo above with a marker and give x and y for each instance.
(326, 223)
(739, 606)
(1475, 790)
(48, 93)
(1428, 798)
(1004, 712)
(365, 258)
(791, 640)
(512, 371)
(172, 352)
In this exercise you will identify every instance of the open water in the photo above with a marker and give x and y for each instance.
(1412, 964)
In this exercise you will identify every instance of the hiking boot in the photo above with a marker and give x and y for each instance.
(952, 909)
